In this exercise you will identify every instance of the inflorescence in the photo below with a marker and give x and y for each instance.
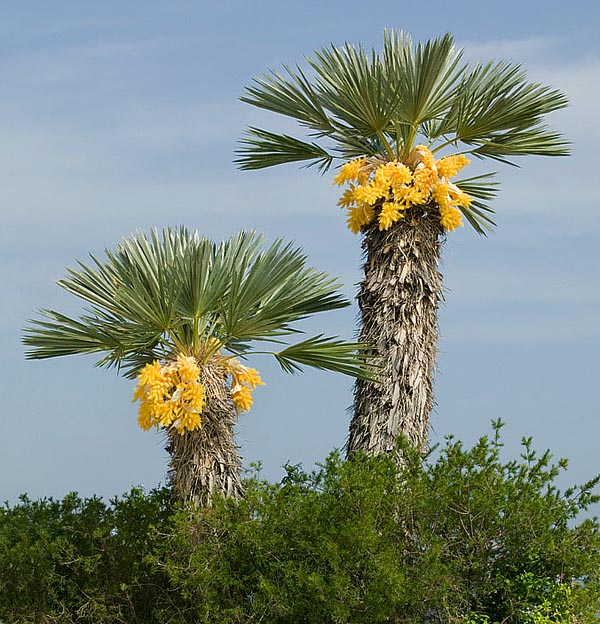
(172, 396)
(382, 190)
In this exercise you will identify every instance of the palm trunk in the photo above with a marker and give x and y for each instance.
(206, 461)
(398, 300)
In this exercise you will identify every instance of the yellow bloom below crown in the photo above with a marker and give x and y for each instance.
(244, 380)
(382, 191)
(171, 395)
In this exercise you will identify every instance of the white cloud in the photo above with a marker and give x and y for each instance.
(521, 50)
(579, 79)
(69, 65)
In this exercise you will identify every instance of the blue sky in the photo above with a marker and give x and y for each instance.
(123, 115)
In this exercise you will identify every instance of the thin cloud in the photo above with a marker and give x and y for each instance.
(47, 66)
(521, 50)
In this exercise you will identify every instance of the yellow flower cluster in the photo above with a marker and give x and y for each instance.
(384, 190)
(170, 395)
(244, 380)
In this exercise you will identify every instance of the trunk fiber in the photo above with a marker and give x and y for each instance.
(398, 299)
(206, 461)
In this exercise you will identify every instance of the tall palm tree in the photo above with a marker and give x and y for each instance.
(404, 122)
(177, 312)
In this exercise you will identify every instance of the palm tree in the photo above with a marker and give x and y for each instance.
(177, 312)
(404, 121)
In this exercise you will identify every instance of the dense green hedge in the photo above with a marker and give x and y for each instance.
(464, 537)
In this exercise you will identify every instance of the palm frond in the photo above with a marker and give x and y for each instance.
(539, 141)
(146, 269)
(272, 289)
(59, 335)
(201, 285)
(328, 353)
(424, 78)
(260, 149)
(348, 145)
(293, 97)
(482, 188)
(499, 112)
(349, 83)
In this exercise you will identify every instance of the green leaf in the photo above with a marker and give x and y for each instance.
(119, 341)
(482, 188)
(260, 149)
(328, 353)
(293, 97)
(350, 84)
(425, 79)
(271, 289)
(498, 111)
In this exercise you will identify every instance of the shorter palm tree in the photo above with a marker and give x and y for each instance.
(177, 312)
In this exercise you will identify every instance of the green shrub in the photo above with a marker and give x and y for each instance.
(82, 560)
(464, 537)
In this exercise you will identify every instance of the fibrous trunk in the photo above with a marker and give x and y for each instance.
(398, 299)
(205, 462)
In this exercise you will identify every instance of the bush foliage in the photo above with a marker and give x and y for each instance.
(462, 537)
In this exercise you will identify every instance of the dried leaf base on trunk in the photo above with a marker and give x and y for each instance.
(398, 300)
(206, 461)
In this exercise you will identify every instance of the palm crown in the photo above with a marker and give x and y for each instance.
(380, 107)
(179, 293)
